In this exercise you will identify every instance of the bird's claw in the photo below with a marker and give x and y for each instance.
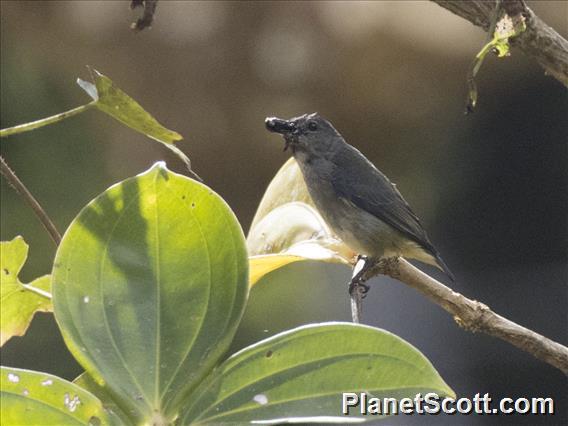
(358, 286)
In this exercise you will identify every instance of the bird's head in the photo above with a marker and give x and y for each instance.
(308, 135)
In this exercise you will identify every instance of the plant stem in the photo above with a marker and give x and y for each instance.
(30, 200)
(21, 128)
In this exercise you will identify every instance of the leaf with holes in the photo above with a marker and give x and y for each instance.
(149, 284)
(19, 301)
(299, 376)
(34, 398)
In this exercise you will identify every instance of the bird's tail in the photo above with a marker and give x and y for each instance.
(427, 253)
(443, 267)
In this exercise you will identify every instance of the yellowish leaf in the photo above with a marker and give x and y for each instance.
(288, 228)
(19, 301)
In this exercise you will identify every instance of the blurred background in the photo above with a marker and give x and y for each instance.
(491, 188)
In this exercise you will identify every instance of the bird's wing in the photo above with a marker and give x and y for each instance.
(361, 183)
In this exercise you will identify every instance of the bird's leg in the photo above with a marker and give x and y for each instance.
(357, 283)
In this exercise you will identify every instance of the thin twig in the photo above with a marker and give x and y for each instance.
(538, 41)
(44, 121)
(31, 201)
(472, 315)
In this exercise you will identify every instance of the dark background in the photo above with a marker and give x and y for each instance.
(491, 188)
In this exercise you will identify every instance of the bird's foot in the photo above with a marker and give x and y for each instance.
(357, 282)
(358, 286)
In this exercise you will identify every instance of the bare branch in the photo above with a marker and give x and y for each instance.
(30, 200)
(472, 315)
(538, 41)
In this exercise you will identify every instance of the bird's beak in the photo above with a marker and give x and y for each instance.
(284, 127)
(277, 125)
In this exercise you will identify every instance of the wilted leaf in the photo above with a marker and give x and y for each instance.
(505, 28)
(34, 398)
(287, 227)
(19, 301)
(149, 285)
(300, 375)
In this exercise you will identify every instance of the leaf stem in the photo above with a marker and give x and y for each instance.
(30, 200)
(21, 128)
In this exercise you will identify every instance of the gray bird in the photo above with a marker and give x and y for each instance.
(358, 202)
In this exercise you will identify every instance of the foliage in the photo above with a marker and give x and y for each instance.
(29, 397)
(19, 301)
(149, 285)
(287, 228)
(505, 28)
(108, 98)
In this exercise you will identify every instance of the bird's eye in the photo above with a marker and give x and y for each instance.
(312, 125)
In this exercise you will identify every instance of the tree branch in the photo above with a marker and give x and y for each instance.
(30, 200)
(538, 41)
(472, 315)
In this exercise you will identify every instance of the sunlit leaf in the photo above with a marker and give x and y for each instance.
(19, 301)
(34, 398)
(287, 186)
(119, 105)
(149, 285)
(288, 228)
(300, 375)
(113, 101)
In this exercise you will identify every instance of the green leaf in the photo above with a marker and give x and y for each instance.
(107, 399)
(300, 375)
(114, 102)
(119, 105)
(287, 228)
(19, 301)
(34, 398)
(149, 285)
(505, 28)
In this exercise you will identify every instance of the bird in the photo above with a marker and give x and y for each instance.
(358, 202)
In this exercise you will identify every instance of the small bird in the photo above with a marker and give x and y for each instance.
(358, 202)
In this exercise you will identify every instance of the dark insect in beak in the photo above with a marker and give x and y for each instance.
(277, 125)
(284, 127)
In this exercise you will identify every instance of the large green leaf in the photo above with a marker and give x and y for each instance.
(288, 228)
(300, 375)
(149, 285)
(107, 399)
(33, 398)
(19, 301)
